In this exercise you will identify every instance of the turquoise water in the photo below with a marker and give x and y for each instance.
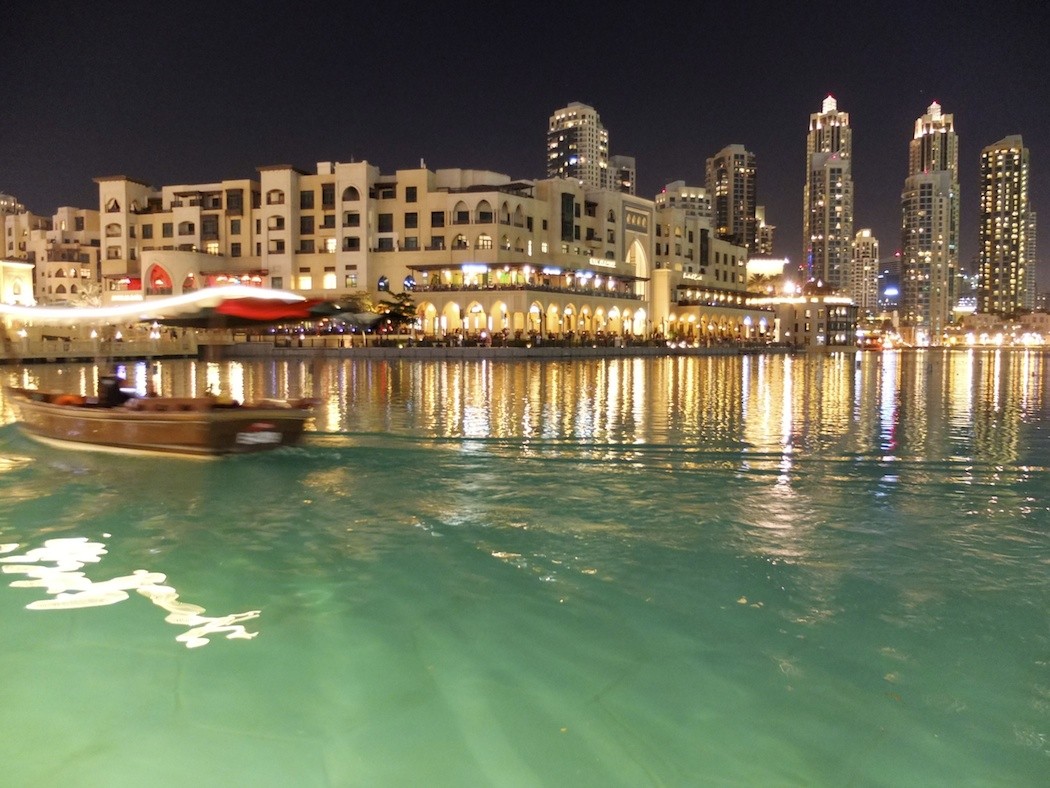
(690, 571)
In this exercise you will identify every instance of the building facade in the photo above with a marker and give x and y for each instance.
(622, 174)
(1033, 264)
(578, 146)
(930, 229)
(765, 233)
(1003, 232)
(863, 277)
(827, 215)
(732, 184)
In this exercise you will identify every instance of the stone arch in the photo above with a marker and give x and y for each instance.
(275, 197)
(113, 230)
(428, 317)
(552, 321)
(351, 194)
(475, 319)
(158, 280)
(638, 264)
(483, 212)
(504, 213)
(534, 318)
(638, 322)
(500, 318)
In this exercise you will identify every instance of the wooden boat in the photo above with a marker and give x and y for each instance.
(189, 426)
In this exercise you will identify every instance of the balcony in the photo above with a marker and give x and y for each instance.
(529, 287)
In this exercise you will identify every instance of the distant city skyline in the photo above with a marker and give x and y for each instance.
(170, 100)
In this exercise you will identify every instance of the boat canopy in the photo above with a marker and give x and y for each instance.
(211, 307)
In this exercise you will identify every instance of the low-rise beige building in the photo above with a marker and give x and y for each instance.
(483, 255)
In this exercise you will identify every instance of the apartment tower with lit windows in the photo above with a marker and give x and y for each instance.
(731, 185)
(864, 273)
(930, 229)
(578, 146)
(1003, 247)
(827, 216)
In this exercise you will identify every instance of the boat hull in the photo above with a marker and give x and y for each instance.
(166, 425)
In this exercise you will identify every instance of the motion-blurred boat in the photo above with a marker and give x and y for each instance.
(188, 426)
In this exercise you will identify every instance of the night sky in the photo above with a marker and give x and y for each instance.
(198, 92)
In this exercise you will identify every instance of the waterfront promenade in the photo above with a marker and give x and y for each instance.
(506, 353)
(235, 345)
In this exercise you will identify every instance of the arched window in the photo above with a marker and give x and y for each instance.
(112, 230)
(351, 194)
(461, 214)
(60, 289)
(612, 216)
(484, 241)
(158, 281)
(112, 206)
(60, 272)
(275, 197)
(483, 214)
(460, 242)
(504, 243)
(410, 282)
(383, 285)
(187, 228)
(189, 284)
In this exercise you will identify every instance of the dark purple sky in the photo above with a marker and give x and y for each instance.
(198, 92)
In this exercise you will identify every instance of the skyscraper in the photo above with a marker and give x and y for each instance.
(930, 228)
(764, 233)
(1032, 263)
(578, 146)
(1003, 234)
(864, 273)
(827, 217)
(731, 184)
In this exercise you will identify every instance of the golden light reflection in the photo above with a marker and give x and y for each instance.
(778, 407)
(56, 567)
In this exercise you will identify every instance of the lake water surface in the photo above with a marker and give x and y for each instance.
(823, 570)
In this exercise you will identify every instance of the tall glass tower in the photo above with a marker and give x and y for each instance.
(930, 229)
(827, 214)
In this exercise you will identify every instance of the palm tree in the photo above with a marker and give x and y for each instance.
(764, 284)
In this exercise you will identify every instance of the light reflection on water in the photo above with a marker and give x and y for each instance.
(760, 570)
